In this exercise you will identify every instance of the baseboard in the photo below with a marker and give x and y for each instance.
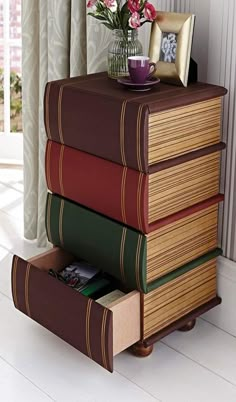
(226, 268)
(223, 316)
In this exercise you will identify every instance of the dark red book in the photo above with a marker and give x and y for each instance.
(136, 199)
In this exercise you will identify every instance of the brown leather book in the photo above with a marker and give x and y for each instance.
(95, 115)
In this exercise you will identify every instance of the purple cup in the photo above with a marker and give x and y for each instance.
(140, 69)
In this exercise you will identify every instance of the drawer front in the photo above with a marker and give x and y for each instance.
(76, 319)
(181, 241)
(178, 131)
(179, 187)
(175, 299)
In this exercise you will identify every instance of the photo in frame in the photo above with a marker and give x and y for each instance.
(170, 46)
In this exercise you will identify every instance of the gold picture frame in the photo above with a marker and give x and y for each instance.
(170, 46)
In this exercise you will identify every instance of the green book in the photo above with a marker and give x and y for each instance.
(106, 244)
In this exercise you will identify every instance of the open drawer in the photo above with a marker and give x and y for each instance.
(98, 332)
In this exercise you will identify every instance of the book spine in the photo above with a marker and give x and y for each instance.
(108, 245)
(108, 188)
(119, 136)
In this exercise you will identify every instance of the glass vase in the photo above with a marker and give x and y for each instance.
(123, 45)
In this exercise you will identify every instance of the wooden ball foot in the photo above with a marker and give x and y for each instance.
(187, 327)
(140, 350)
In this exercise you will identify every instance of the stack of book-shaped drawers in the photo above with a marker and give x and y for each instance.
(134, 190)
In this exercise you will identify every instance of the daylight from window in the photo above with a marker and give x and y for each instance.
(10, 66)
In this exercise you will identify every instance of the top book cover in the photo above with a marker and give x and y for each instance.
(135, 129)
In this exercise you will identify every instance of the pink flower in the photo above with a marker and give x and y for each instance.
(133, 6)
(149, 12)
(112, 4)
(134, 21)
(91, 3)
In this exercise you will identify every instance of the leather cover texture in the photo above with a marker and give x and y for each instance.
(109, 245)
(76, 319)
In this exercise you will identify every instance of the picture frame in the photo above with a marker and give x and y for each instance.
(170, 46)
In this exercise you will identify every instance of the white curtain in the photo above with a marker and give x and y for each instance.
(54, 47)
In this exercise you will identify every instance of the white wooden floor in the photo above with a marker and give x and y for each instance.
(35, 365)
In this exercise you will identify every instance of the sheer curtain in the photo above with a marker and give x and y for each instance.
(54, 47)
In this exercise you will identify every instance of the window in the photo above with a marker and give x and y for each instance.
(10, 78)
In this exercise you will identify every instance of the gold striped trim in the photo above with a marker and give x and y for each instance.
(122, 132)
(122, 249)
(48, 159)
(137, 262)
(59, 113)
(49, 205)
(47, 111)
(61, 170)
(27, 289)
(123, 184)
(88, 313)
(61, 222)
(138, 137)
(103, 338)
(14, 270)
(139, 193)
